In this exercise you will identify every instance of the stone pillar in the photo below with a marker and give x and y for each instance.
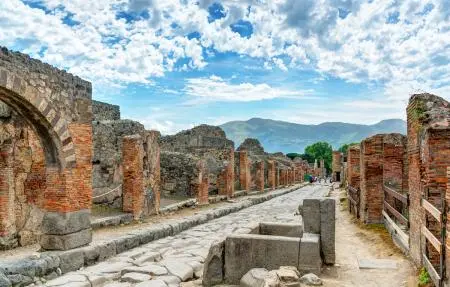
(428, 161)
(152, 170)
(68, 194)
(203, 185)
(336, 166)
(271, 174)
(353, 166)
(260, 176)
(283, 177)
(372, 195)
(226, 176)
(394, 148)
(244, 170)
(133, 193)
(7, 213)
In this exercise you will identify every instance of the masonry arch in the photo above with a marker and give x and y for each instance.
(57, 107)
(50, 142)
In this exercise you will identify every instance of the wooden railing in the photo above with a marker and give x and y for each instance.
(403, 198)
(435, 275)
(353, 195)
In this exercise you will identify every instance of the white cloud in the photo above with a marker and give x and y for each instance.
(217, 89)
(363, 47)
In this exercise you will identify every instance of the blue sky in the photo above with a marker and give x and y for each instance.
(174, 64)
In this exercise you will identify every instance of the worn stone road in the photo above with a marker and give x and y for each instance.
(173, 260)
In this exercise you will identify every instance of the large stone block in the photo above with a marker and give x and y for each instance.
(247, 251)
(328, 230)
(66, 242)
(309, 256)
(281, 229)
(214, 265)
(56, 223)
(311, 215)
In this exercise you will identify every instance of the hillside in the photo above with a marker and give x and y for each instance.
(290, 137)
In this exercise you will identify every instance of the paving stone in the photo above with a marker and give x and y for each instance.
(170, 279)
(377, 264)
(148, 257)
(179, 269)
(66, 279)
(150, 269)
(152, 283)
(134, 277)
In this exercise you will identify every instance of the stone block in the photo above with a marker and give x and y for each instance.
(214, 265)
(246, 251)
(328, 230)
(309, 260)
(281, 229)
(311, 215)
(259, 277)
(66, 242)
(71, 260)
(56, 223)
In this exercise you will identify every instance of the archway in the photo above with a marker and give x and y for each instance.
(56, 106)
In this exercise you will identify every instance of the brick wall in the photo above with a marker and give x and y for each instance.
(271, 174)
(336, 164)
(202, 184)
(133, 180)
(152, 170)
(371, 201)
(353, 166)
(260, 176)
(244, 170)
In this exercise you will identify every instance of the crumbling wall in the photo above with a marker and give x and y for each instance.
(206, 142)
(105, 112)
(107, 162)
(353, 166)
(180, 174)
(336, 166)
(428, 118)
(371, 197)
(22, 165)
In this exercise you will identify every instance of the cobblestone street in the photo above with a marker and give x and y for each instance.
(172, 260)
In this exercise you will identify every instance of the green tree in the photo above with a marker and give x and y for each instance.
(321, 150)
(344, 148)
(293, 155)
(309, 158)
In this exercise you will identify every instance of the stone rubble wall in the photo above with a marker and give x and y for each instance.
(105, 112)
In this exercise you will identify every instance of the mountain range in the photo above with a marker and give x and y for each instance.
(288, 137)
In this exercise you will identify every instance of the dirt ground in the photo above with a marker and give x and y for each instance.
(355, 241)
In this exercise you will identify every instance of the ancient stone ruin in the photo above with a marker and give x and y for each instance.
(402, 181)
(64, 154)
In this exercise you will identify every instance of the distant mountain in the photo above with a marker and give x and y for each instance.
(289, 137)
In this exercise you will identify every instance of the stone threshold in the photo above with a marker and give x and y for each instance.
(55, 263)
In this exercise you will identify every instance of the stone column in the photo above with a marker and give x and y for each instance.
(203, 185)
(152, 170)
(272, 174)
(260, 176)
(244, 170)
(226, 176)
(133, 193)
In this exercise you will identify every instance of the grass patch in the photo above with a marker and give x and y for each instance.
(424, 278)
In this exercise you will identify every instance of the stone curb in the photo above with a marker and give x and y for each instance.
(54, 263)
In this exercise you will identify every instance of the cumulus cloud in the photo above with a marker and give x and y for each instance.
(349, 39)
(217, 89)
